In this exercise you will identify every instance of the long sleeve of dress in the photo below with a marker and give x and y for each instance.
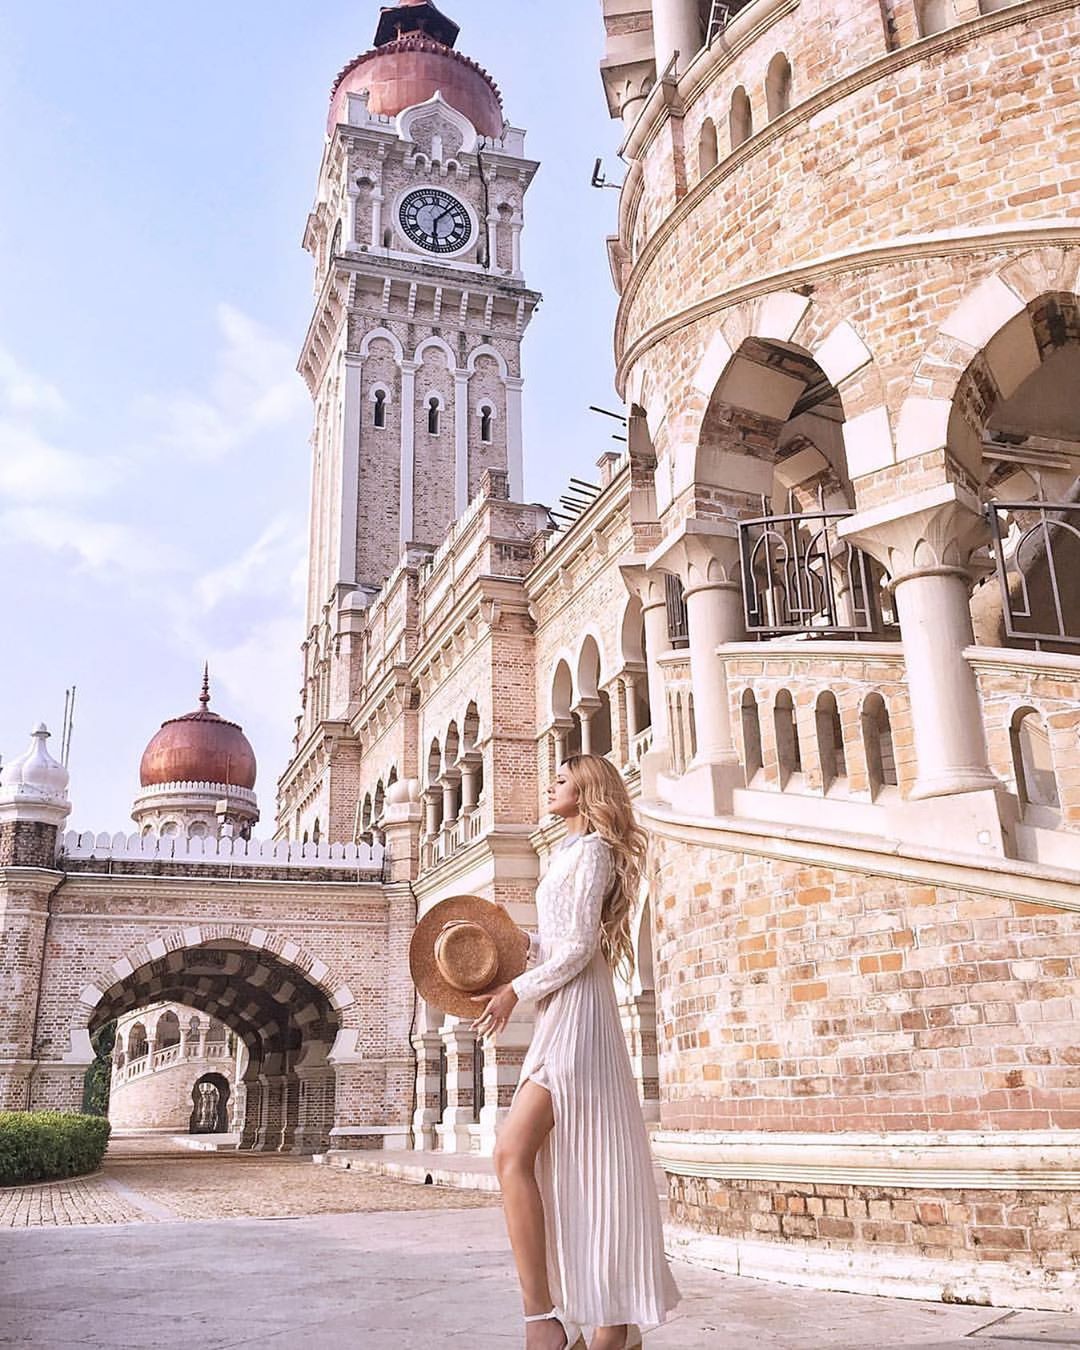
(573, 948)
(534, 949)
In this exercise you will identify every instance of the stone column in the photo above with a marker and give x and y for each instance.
(426, 1046)
(470, 782)
(33, 807)
(629, 684)
(585, 710)
(705, 555)
(408, 450)
(676, 28)
(450, 783)
(376, 218)
(561, 728)
(514, 454)
(432, 811)
(401, 829)
(461, 440)
(926, 542)
(516, 224)
(454, 1131)
(649, 587)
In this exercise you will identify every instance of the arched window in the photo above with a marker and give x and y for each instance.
(1033, 761)
(316, 831)
(485, 423)
(778, 86)
(380, 408)
(751, 735)
(741, 119)
(137, 1042)
(170, 830)
(433, 411)
(788, 753)
(708, 150)
(830, 739)
(934, 15)
(878, 744)
(198, 831)
(167, 1031)
(388, 238)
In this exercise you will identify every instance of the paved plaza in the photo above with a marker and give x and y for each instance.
(169, 1250)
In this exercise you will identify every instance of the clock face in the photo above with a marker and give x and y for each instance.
(435, 221)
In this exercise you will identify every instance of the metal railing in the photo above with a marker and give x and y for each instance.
(1036, 547)
(799, 576)
(678, 624)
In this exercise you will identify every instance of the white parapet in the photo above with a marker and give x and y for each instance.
(250, 852)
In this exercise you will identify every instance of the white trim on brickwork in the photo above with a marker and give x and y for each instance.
(1007, 878)
(890, 1274)
(951, 1160)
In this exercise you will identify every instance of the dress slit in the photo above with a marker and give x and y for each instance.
(604, 1237)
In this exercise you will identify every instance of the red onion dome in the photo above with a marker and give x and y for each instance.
(414, 59)
(199, 747)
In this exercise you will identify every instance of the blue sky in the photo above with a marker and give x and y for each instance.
(158, 163)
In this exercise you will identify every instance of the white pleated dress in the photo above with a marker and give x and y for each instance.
(605, 1241)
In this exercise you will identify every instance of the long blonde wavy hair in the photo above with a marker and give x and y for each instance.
(604, 803)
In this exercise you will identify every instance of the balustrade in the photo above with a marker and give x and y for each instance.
(1036, 546)
(799, 576)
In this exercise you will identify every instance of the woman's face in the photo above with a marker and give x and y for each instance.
(563, 795)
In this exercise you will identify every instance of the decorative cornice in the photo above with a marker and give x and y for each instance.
(938, 244)
(979, 1160)
(887, 65)
(1003, 878)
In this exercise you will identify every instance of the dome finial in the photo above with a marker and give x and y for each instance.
(204, 697)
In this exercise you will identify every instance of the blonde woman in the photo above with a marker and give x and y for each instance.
(573, 1155)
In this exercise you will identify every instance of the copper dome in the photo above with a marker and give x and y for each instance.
(199, 747)
(412, 61)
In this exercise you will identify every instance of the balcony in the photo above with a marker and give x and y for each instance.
(1036, 547)
(799, 576)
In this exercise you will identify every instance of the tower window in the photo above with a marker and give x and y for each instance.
(433, 416)
(380, 407)
(485, 425)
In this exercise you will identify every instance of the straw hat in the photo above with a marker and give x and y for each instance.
(462, 948)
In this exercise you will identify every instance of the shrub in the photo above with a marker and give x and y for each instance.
(45, 1145)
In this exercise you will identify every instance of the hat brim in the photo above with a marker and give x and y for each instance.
(504, 932)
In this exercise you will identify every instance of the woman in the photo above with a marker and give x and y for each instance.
(573, 1155)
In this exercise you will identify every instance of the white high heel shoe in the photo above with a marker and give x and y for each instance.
(574, 1339)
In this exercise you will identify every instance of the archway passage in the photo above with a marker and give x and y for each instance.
(287, 1024)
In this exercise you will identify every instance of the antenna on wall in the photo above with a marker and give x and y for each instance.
(69, 725)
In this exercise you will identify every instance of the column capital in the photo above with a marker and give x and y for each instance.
(933, 531)
(701, 553)
(647, 585)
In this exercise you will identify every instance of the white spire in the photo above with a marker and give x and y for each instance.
(35, 776)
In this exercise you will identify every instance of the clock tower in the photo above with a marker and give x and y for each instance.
(413, 354)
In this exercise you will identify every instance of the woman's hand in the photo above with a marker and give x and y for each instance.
(500, 1004)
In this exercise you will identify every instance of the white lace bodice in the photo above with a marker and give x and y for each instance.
(569, 902)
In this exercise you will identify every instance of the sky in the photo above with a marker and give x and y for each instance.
(157, 165)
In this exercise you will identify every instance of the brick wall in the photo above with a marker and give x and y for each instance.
(797, 997)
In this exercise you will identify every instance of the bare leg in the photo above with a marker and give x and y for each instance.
(609, 1338)
(520, 1138)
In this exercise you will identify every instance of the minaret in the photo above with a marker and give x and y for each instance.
(413, 356)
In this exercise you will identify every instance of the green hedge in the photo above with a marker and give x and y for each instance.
(45, 1145)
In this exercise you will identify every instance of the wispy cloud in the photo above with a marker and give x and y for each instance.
(21, 391)
(254, 389)
(96, 545)
(267, 567)
(32, 469)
